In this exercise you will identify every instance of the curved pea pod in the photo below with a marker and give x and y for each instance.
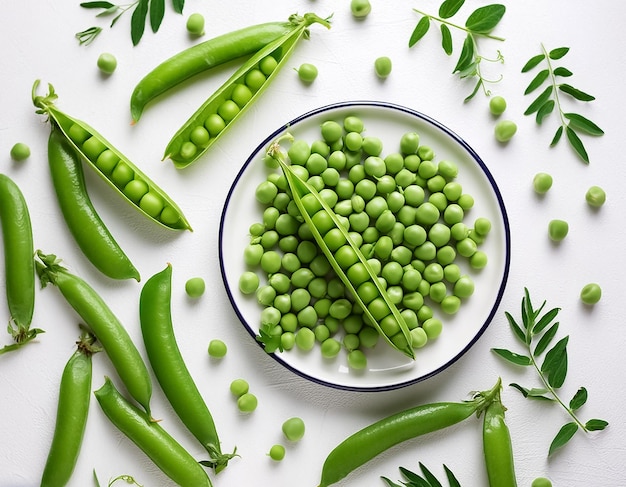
(83, 221)
(170, 369)
(497, 447)
(202, 57)
(107, 328)
(115, 168)
(321, 219)
(226, 105)
(369, 442)
(72, 412)
(166, 453)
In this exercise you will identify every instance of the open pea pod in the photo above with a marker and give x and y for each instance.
(379, 309)
(226, 105)
(115, 168)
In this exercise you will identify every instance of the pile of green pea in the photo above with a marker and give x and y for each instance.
(239, 95)
(405, 211)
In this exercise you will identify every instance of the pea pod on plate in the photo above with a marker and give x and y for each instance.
(170, 369)
(107, 328)
(347, 260)
(115, 168)
(241, 90)
(201, 57)
(83, 221)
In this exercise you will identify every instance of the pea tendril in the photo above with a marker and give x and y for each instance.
(126, 478)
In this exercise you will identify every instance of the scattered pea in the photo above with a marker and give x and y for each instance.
(595, 196)
(542, 182)
(20, 152)
(505, 130)
(293, 429)
(247, 402)
(217, 348)
(360, 8)
(195, 24)
(557, 230)
(194, 287)
(591, 293)
(497, 105)
(382, 66)
(277, 452)
(239, 387)
(307, 72)
(541, 482)
(107, 63)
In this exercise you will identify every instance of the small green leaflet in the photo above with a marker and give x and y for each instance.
(270, 340)
(484, 19)
(449, 8)
(572, 124)
(565, 434)
(420, 30)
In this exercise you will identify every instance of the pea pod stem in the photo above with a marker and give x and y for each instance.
(150, 437)
(107, 328)
(367, 443)
(497, 446)
(169, 366)
(201, 57)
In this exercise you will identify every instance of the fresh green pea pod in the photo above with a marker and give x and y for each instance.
(201, 57)
(374, 439)
(497, 446)
(83, 221)
(18, 252)
(242, 89)
(115, 168)
(170, 369)
(166, 453)
(72, 412)
(107, 328)
(299, 188)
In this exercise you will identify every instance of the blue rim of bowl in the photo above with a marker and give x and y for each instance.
(507, 233)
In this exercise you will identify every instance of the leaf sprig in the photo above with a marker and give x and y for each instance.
(537, 333)
(154, 10)
(480, 23)
(270, 340)
(412, 479)
(550, 98)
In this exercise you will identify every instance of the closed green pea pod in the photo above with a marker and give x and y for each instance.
(169, 366)
(166, 453)
(84, 223)
(497, 446)
(107, 328)
(71, 419)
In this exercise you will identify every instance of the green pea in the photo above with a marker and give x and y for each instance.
(418, 337)
(122, 174)
(107, 161)
(466, 201)
(557, 230)
(266, 294)
(194, 287)
(266, 191)
(228, 110)
(239, 387)
(78, 134)
(255, 79)
(448, 169)
(426, 213)
(330, 348)
(450, 304)
(248, 282)
(466, 247)
(305, 339)
(433, 328)
(541, 482)
(277, 452)
(107, 63)
(591, 293)
(463, 287)
(372, 146)
(20, 152)
(169, 216)
(152, 204)
(482, 226)
(505, 130)
(542, 182)
(595, 196)
(331, 131)
(478, 260)
(439, 234)
(307, 72)
(452, 273)
(93, 147)
(241, 94)
(293, 429)
(195, 24)
(214, 124)
(217, 348)
(247, 402)
(382, 67)
(188, 150)
(270, 316)
(425, 153)
(360, 8)
(135, 190)
(497, 105)
(414, 195)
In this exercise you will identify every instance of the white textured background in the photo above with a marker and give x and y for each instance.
(37, 43)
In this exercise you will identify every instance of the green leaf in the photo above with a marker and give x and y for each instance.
(581, 123)
(539, 101)
(514, 358)
(446, 39)
(179, 5)
(537, 81)
(545, 320)
(545, 340)
(533, 393)
(558, 53)
(563, 72)
(576, 93)
(452, 480)
(157, 12)
(97, 5)
(449, 8)
(420, 30)
(532, 62)
(110, 11)
(477, 86)
(138, 21)
(554, 366)
(429, 476)
(565, 434)
(484, 19)
(414, 479)
(519, 333)
(576, 144)
(544, 111)
(579, 399)
(557, 136)
(390, 483)
(95, 478)
(596, 424)
(466, 58)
